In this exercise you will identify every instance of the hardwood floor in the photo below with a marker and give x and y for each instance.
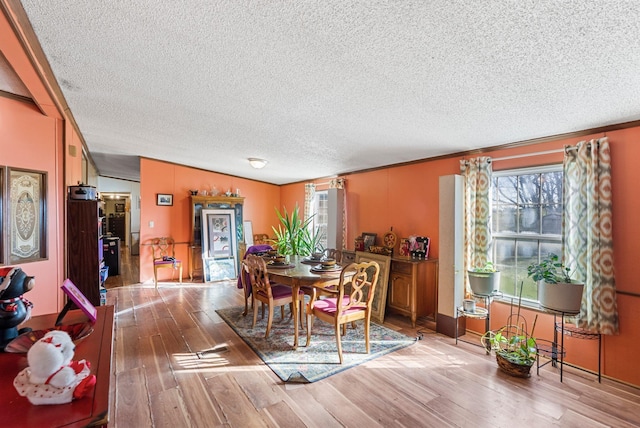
(160, 381)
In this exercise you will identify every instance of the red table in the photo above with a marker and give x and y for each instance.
(92, 410)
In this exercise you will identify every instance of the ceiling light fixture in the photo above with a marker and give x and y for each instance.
(257, 163)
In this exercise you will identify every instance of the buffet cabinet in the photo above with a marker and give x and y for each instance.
(199, 203)
(85, 247)
(413, 287)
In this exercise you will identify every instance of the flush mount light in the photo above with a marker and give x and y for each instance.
(257, 163)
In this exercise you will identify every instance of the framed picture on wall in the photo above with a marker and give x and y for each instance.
(164, 199)
(26, 209)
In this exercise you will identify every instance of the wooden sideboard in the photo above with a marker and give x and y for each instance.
(413, 287)
(92, 410)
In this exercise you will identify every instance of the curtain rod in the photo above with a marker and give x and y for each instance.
(526, 155)
(546, 152)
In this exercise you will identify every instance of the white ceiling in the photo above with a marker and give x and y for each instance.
(327, 87)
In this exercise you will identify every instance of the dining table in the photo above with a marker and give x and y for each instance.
(301, 271)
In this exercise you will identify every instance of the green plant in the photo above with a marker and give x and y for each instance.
(293, 237)
(487, 268)
(550, 269)
(514, 344)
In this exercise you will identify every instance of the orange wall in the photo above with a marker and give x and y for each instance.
(407, 197)
(34, 141)
(38, 138)
(260, 202)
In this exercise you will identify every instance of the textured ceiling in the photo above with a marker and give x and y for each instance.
(326, 87)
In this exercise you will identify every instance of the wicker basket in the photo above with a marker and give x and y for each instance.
(517, 370)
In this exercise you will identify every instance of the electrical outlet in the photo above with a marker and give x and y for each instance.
(151, 224)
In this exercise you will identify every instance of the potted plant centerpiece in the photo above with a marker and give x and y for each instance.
(484, 280)
(556, 290)
(293, 237)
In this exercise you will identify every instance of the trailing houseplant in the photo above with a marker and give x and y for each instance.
(484, 279)
(515, 347)
(293, 237)
(557, 291)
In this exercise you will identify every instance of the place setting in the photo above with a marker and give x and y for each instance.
(313, 259)
(279, 262)
(326, 266)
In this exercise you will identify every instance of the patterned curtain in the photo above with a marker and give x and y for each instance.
(587, 232)
(477, 212)
(309, 196)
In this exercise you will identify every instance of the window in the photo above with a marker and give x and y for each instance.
(321, 218)
(526, 224)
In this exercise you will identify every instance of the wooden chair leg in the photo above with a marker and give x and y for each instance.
(339, 342)
(155, 276)
(180, 272)
(246, 301)
(269, 321)
(255, 313)
(366, 336)
(309, 325)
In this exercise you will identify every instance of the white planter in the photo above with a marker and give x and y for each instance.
(484, 283)
(561, 297)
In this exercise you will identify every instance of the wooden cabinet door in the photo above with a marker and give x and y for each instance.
(400, 294)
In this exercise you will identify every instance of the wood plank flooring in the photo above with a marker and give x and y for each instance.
(159, 381)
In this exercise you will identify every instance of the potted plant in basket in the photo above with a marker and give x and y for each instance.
(516, 349)
(556, 290)
(484, 280)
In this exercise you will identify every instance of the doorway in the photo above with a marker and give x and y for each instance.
(117, 214)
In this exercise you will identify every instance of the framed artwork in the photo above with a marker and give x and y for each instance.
(164, 199)
(219, 244)
(380, 292)
(369, 240)
(27, 215)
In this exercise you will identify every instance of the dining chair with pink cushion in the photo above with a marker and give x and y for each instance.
(352, 302)
(164, 257)
(267, 293)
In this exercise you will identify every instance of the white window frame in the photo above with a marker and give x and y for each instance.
(317, 220)
(513, 270)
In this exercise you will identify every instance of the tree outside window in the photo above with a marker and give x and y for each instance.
(526, 223)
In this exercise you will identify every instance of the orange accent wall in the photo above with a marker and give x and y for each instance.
(404, 197)
(260, 202)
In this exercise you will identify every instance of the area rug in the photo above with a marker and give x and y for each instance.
(320, 359)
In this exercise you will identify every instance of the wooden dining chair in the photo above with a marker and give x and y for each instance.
(352, 302)
(260, 239)
(332, 253)
(263, 291)
(328, 253)
(164, 256)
